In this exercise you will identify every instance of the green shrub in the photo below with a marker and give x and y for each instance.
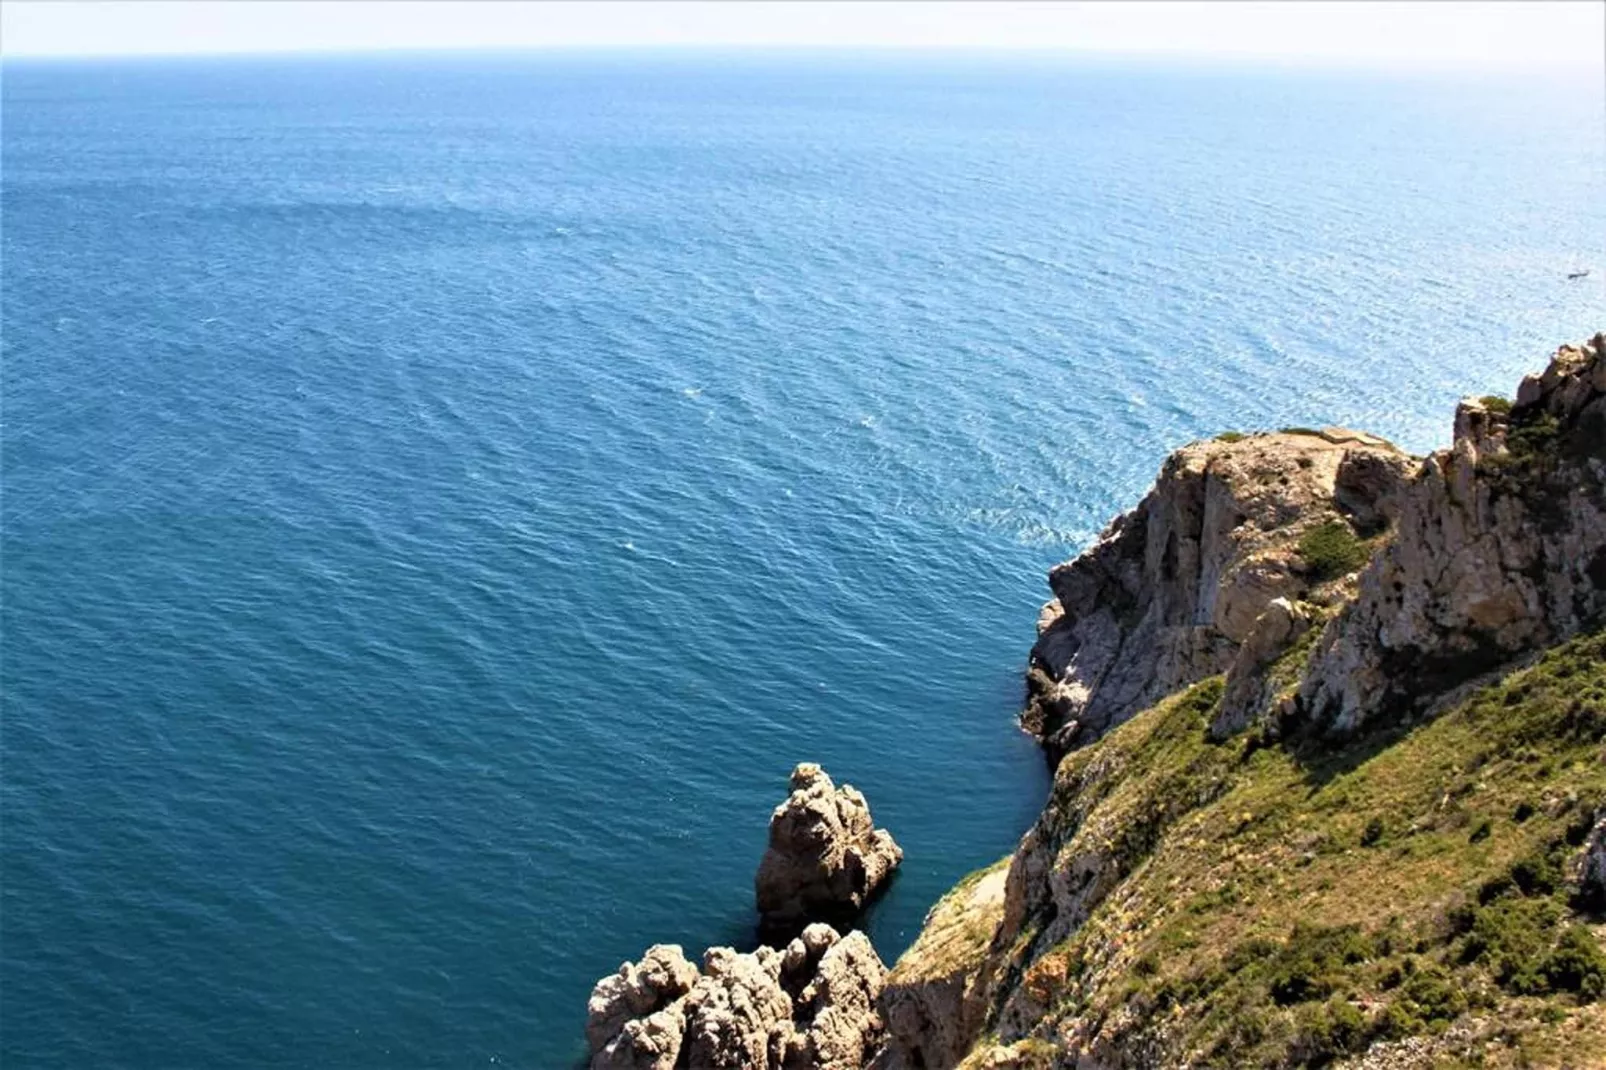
(1429, 1000)
(1231, 436)
(1331, 550)
(1328, 1031)
(1512, 937)
(1496, 404)
(1312, 961)
(1535, 435)
(1577, 964)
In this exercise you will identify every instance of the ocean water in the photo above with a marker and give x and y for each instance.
(444, 496)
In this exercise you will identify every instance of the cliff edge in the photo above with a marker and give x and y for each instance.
(1333, 785)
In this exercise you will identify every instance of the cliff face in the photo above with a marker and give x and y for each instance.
(1283, 837)
(1500, 549)
(1173, 590)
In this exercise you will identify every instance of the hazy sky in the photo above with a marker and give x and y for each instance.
(1432, 34)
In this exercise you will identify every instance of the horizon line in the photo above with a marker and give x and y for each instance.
(1324, 61)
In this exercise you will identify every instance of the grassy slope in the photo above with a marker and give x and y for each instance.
(1286, 908)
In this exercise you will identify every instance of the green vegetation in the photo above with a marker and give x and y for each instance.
(1332, 550)
(1311, 431)
(1231, 436)
(1496, 404)
(1533, 437)
(1288, 905)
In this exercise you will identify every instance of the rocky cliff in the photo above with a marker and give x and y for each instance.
(1173, 590)
(1500, 549)
(1329, 725)
(1334, 778)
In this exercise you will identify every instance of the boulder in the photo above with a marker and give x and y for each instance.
(826, 858)
(1592, 866)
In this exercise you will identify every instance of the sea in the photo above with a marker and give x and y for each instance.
(445, 495)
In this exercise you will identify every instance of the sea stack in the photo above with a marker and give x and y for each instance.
(826, 858)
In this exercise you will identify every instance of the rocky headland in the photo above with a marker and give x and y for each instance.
(1329, 732)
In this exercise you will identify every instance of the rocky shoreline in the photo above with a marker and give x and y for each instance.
(806, 998)
(1313, 596)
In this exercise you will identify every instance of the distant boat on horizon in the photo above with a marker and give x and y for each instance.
(1581, 273)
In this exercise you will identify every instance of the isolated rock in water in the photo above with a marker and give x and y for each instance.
(825, 857)
(811, 1006)
(637, 991)
(1173, 588)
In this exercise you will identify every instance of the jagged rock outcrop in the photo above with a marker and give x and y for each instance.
(1499, 549)
(1265, 671)
(738, 1015)
(838, 1022)
(826, 858)
(637, 991)
(809, 1006)
(1592, 866)
(1174, 588)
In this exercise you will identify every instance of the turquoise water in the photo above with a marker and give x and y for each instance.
(443, 497)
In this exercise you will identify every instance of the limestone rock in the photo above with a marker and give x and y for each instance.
(838, 1008)
(1252, 681)
(811, 1006)
(650, 1043)
(738, 1011)
(1172, 589)
(1499, 549)
(826, 858)
(636, 991)
(1592, 866)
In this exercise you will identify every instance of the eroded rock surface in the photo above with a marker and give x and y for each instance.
(1499, 549)
(1592, 866)
(1174, 588)
(809, 1006)
(637, 991)
(826, 858)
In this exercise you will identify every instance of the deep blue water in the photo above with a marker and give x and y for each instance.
(444, 497)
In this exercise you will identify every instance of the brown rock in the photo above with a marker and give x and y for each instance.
(1172, 589)
(839, 1023)
(738, 1011)
(1592, 865)
(809, 1007)
(636, 991)
(1499, 549)
(933, 1001)
(825, 858)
